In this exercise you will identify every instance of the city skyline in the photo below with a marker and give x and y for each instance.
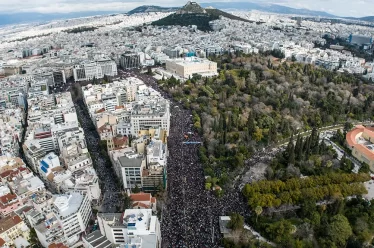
(336, 7)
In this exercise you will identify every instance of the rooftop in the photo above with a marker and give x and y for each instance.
(191, 61)
(68, 204)
(223, 221)
(137, 219)
(97, 240)
(158, 106)
(9, 222)
(58, 245)
(356, 139)
(141, 196)
(113, 219)
(130, 162)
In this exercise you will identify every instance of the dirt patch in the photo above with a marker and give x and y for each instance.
(255, 173)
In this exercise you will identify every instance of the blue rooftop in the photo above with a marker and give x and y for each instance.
(43, 169)
(44, 164)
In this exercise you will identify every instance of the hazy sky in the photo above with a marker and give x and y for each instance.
(337, 7)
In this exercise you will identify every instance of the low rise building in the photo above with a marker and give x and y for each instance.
(67, 217)
(11, 228)
(10, 163)
(135, 227)
(143, 201)
(94, 69)
(9, 203)
(361, 141)
(84, 181)
(188, 66)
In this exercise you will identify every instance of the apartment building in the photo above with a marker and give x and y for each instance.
(155, 174)
(34, 152)
(10, 163)
(85, 182)
(131, 170)
(13, 228)
(97, 69)
(134, 228)
(67, 217)
(23, 183)
(150, 114)
(9, 203)
(49, 164)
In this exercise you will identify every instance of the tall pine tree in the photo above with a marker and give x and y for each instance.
(251, 125)
(272, 134)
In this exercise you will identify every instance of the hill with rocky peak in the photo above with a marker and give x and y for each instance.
(193, 14)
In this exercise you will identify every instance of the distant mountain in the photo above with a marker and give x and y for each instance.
(30, 17)
(193, 14)
(365, 18)
(152, 8)
(273, 8)
(33, 17)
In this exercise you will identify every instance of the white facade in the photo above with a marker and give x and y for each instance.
(67, 217)
(136, 228)
(150, 114)
(123, 128)
(130, 171)
(186, 67)
(88, 71)
(85, 182)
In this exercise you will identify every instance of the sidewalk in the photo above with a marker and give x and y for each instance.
(262, 239)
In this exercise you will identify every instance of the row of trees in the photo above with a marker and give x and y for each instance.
(293, 184)
(319, 193)
(80, 30)
(342, 223)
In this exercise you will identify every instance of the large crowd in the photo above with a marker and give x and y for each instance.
(191, 214)
(110, 200)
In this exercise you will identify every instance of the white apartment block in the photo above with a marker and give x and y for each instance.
(85, 182)
(131, 170)
(34, 152)
(123, 128)
(150, 114)
(136, 228)
(67, 217)
(90, 70)
(48, 164)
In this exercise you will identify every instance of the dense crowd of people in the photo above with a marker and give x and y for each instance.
(110, 199)
(191, 214)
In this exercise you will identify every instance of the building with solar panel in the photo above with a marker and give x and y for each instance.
(66, 218)
(48, 164)
(134, 228)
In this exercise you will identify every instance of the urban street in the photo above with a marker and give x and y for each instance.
(111, 192)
